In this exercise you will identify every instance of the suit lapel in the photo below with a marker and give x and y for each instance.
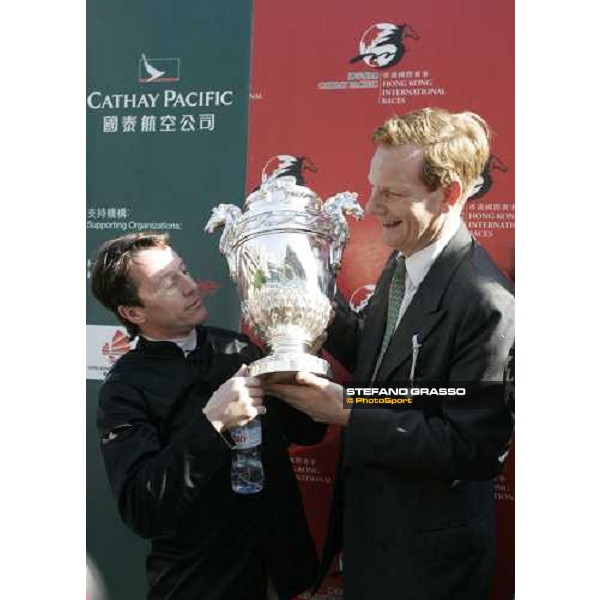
(424, 313)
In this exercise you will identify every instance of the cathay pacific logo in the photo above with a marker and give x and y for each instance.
(158, 70)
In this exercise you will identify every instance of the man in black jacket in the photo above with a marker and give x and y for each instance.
(413, 505)
(164, 414)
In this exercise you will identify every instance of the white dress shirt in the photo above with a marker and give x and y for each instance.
(187, 343)
(419, 263)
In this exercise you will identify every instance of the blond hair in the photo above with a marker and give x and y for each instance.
(455, 145)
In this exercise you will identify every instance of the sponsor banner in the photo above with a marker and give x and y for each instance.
(105, 344)
(504, 496)
(409, 52)
(166, 105)
(377, 67)
(315, 468)
(156, 70)
(166, 129)
(140, 110)
(116, 221)
(314, 106)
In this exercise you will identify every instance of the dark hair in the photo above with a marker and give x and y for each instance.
(112, 285)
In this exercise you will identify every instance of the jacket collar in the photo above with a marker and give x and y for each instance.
(422, 315)
(167, 348)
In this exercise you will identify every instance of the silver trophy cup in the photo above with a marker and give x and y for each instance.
(284, 252)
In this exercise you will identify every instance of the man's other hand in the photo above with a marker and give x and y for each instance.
(236, 402)
(319, 398)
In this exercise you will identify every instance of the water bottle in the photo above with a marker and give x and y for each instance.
(247, 474)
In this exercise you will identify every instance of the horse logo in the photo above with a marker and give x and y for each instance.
(285, 165)
(382, 45)
(485, 182)
(360, 297)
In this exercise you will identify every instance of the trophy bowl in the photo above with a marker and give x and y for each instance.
(283, 253)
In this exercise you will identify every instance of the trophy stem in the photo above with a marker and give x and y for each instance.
(285, 366)
(286, 344)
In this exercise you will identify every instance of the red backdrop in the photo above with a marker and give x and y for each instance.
(312, 111)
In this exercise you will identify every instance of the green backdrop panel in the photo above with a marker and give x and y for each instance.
(167, 111)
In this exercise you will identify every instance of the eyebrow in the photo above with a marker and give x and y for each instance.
(170, 273)
(397, 191)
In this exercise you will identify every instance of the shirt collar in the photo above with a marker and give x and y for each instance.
(419, 263)
(187, 343)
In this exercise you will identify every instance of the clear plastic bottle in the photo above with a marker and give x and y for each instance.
(247, 473)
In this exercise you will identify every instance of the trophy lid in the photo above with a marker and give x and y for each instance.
(282, 193)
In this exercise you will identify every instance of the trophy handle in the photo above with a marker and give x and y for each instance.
(337, 207)
(225, 215)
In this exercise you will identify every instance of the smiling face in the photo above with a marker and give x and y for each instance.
(171, 299)
(411, 215)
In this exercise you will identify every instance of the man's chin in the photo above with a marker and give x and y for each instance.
(201, 316)
(391, 240)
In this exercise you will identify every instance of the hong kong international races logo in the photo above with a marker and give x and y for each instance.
(382, 45)
(286, 165)
(359, 299)
(157, 70)
(378, 68)
(486, 181)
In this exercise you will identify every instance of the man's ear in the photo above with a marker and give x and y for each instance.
(133, 314)
(452, 194)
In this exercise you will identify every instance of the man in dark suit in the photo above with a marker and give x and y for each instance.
(414, 496)
(167, 411)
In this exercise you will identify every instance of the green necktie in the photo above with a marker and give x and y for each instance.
(395, 296)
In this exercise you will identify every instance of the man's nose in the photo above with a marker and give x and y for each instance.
(373, 206)
(188, 284)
